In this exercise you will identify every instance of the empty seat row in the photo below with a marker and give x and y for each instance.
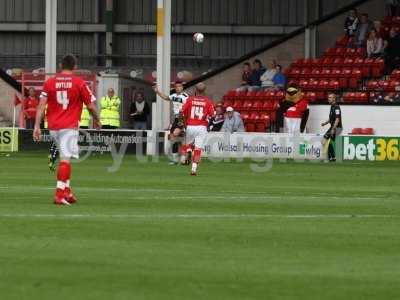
(363, 131)
(252, 105)
(346, 52)
(340, 62)
(272, 95)
(395, 74)
(383, 85)
(361, 97)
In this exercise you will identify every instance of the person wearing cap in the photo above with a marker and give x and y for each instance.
(295, 114)
(233, 122)
(217, 121)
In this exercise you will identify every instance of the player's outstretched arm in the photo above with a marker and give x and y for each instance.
(93, 111)
(37, 133)
(161, 94)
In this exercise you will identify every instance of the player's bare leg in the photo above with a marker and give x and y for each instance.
(195, 161)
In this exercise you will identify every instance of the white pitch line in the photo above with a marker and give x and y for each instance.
(194, 216)
(230, 195)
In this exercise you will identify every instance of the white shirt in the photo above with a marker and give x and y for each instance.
(178, 100)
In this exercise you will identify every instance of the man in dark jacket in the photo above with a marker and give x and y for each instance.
(139, 112)
(392, 51)
(254, 78)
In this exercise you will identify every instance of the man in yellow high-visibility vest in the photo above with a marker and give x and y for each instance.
(110, 110)
(85, 118)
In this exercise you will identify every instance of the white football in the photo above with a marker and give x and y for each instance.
(198, 37)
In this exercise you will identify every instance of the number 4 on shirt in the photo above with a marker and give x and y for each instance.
(62, 98)
(197, 112)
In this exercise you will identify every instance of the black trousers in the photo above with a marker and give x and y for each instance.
(29, 123)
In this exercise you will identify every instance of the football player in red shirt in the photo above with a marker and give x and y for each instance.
(196, 111)
(64, 95)
(295, 113)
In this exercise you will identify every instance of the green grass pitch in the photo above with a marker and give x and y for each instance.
(150, 231)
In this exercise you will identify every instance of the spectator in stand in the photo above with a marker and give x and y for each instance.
(232, 123)
(379, 28)
(268, 76)
(245, 77)
(139, 112)
(393, 7)
(217, 121)
(363, 29)
(29, 108)
(392, 51)
(279, 78)
(351, 23)
(374, 45)
(256, 73)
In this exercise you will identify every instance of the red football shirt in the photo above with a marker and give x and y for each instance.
(65, 94)
(197, 110)
(30, 105)
(297, 110)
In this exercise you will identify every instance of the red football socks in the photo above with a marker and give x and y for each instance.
(63, 175)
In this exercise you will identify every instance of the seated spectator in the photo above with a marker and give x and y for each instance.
(351, 23)
(217, 121)
(245, 83)
(393, 98)
(254, 78)
(233, 122)
(392, 51)
(380, 30)
(139, 112)
(374, 45)
(266, 78)
(29, 108)
(363, 29)
(279, 78)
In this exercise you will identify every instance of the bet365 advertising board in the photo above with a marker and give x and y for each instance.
(372, 148)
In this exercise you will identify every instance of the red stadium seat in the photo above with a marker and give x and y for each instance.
(254, 116)
(250, 127)
(361, 97)
(348, 62)
(237, 104)
(326, 73)
(327, 62)
(247, 104)
(367, 131)
(373, 85)
(349, 97)
(245, 115)
(228, 103)
(357, 131)
(384, 85)
(338, 62)
(311, 96)
(258, 105)
(305, 72)
(268, 105)
(340, 51)
(395, 74)
(333, 85)
(394, 85)
(315, 72)
(294, 73)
